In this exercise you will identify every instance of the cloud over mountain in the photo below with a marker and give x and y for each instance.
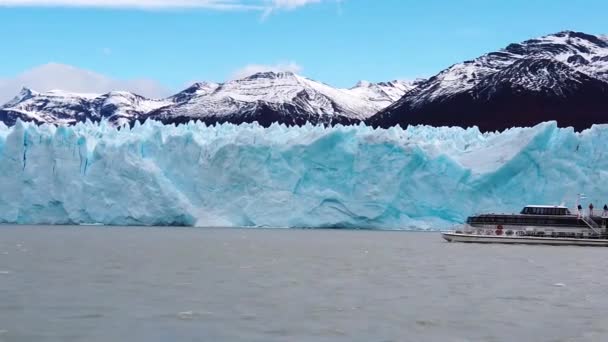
(66, 77)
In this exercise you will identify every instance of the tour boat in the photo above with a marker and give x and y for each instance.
(535, 224)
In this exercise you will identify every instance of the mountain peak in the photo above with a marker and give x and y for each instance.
(24, 94)
(546, 78)
(270, 75)
(204, 85)
(581, 40)
(363, 84)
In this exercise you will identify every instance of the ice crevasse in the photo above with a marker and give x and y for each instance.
(311, 176)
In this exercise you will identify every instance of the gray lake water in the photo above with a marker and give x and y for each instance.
(169, 284)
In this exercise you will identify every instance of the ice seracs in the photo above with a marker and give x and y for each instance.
(279, 176)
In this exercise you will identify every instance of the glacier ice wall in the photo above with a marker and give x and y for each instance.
(309, 176)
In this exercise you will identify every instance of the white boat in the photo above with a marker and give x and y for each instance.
(536, 225)
(531, 240)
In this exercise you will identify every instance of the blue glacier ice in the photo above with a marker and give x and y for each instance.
(310, 176)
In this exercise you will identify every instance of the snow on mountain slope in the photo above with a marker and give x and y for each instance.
(124, 107)
(556, 77)
(582, 52)
(197, 89)
(309, 176)
(266, 97)
(384, 93)
(61, 107)
(282, 96)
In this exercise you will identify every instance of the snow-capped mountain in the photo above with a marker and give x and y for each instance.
(60, 107)
(266, 97)
(282, 97)
(563, 77)
(384, 93)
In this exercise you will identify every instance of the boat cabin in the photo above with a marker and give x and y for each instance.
(540, 216)
(545, 210)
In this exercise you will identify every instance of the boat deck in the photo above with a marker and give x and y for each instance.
(526, 240)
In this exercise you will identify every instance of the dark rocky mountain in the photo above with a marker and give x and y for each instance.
(562, 77)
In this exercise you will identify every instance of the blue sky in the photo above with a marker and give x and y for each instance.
(335, 42)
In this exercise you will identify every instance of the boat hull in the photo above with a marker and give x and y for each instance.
(525, 240)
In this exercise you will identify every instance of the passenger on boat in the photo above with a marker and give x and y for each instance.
(605, 210)
(590, 209)
(580, 210)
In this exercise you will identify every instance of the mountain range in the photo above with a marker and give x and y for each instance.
(266, 97)
(562, 77)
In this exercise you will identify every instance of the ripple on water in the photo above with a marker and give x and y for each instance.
(86, 316)
(192, 315)
(520, 298)
(427, 323)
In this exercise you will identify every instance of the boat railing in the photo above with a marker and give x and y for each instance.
(590, 222)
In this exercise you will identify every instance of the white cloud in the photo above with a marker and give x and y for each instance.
(65, 77)
(147, 4)
(291, 4)
(251, 69)
(261, 5)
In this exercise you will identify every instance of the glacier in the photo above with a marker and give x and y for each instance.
(311, 176)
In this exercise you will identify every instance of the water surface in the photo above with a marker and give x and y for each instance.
(172, 284)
